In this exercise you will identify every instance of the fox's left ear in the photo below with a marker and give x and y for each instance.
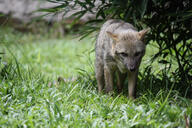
(142, 33)
(112, 35)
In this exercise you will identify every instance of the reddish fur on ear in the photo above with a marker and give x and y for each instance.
(113, 36)
(142, 33)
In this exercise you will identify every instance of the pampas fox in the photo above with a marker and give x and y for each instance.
(119, 50)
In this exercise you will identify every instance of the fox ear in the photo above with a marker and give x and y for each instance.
(142, 33)
(113, 36)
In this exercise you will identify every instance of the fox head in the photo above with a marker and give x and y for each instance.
(128, 48)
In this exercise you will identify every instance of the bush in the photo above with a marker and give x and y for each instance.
(170, 23)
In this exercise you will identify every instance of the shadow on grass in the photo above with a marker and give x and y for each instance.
(162, 81)
(148, 84)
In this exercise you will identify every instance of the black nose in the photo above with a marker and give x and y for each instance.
(132, 69)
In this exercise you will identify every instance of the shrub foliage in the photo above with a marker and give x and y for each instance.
(170, 22)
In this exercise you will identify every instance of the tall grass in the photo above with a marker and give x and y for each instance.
(30, 100)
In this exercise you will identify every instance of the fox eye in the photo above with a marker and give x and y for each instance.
(123, 54)
(137, 53)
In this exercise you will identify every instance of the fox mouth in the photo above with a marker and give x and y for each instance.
(131, 68)
(125, 67)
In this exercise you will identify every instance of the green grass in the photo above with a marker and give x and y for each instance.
(30, 95)
(52, 57)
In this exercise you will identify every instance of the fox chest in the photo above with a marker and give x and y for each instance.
(110, 63)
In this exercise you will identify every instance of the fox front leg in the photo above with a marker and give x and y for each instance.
(99, 71)
(108, 79)
(120, 80)
(132, 82)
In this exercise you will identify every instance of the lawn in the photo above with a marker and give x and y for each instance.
(32, 96)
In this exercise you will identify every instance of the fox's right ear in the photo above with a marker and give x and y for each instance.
(113, 36)
(143, 32)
